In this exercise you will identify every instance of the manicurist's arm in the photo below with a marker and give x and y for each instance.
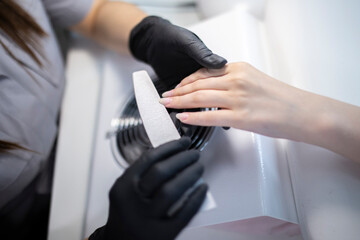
(172, 51)
(110, 23)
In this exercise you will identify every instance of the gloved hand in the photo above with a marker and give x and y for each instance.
(142, 196)
(173, 52)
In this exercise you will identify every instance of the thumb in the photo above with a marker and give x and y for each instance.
(213, 61)
(198, 51)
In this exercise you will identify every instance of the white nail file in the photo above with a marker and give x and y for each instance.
(158, 124)
(156, 120)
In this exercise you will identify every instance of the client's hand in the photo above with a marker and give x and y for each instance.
(247, 98)
(251, 100)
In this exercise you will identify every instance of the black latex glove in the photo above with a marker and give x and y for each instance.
(142, 196)
(173, 52)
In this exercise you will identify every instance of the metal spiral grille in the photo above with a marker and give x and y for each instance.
(130, 139)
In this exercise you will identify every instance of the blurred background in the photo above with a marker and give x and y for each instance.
(313, 45)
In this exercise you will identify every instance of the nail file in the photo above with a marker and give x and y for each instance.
(156, 120)
(159, 127)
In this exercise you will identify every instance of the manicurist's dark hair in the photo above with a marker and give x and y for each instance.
(24, 31)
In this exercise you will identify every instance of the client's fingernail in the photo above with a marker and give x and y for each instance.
(167, 94)
(182, 116)
(179, 85)
(165, 101)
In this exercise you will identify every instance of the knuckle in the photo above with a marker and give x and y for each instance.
(242, 115)
(234, 82)
(237, 80)
(198, 170)
(187, 80)
(167, 192)
(188, 157)
(241, 96)
(177, 101)
(195, 86)
(176, 91)
(228, 81)
(140, 161)
(182, 91)
(240, 74)
(242, 65)
(194, 155)
(160, 170)
(148, 156)
(196, 98)
(240, 100)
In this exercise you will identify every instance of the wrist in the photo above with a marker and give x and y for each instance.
(335, 127)
(314, 119)
(303, 119)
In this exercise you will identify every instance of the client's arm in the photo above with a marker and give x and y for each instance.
(253, 101)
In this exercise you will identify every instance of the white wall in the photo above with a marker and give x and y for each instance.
(315, 45)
